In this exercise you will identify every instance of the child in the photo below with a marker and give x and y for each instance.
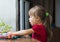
(40, 23)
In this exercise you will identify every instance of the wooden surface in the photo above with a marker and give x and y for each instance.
(19, 40)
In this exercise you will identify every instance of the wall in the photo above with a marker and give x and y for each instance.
(57, 13)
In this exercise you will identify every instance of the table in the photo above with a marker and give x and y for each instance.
(19, 40)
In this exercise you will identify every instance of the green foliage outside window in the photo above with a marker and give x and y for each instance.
(4, 27)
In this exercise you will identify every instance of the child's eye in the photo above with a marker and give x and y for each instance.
(30, 17)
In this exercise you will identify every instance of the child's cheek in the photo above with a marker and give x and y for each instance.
(30, 19)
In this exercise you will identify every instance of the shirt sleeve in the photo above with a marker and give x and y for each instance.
(37, 29)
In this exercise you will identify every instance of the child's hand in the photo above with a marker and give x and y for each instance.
(10, 34)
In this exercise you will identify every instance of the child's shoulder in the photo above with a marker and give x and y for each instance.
(39, 26)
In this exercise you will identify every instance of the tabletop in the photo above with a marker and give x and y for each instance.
(19, 40)
(24, 38)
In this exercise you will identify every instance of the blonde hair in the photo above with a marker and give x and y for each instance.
(46, 20)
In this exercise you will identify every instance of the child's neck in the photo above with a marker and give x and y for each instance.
(39, 23)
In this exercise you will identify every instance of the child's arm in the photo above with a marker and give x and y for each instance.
(24, 32)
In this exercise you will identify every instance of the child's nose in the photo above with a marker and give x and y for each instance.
(29, 20)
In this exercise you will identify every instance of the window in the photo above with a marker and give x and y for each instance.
(23, 7)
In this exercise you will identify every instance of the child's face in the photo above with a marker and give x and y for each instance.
(32, 20)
